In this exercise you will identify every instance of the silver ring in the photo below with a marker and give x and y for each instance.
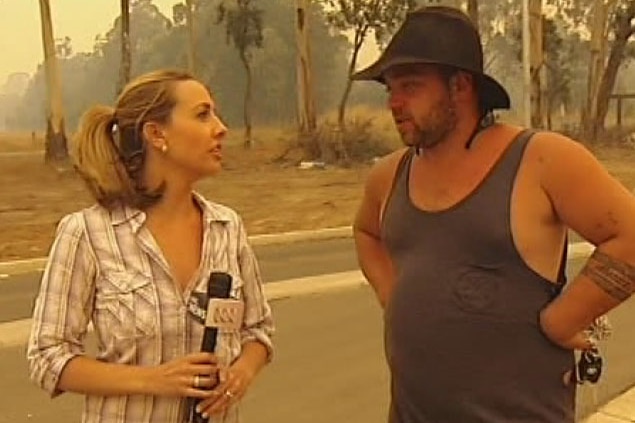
(197, 381)
(229, 394)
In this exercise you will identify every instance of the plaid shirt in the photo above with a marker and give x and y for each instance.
(105, 268)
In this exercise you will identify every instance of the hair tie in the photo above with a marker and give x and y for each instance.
(114, 127)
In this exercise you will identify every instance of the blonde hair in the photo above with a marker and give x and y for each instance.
(109, 150)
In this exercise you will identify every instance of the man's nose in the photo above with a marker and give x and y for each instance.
(395, 101)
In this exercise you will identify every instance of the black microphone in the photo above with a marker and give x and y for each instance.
(218, 286)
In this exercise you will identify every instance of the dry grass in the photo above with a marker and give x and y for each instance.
(271, 195)
(15, 142)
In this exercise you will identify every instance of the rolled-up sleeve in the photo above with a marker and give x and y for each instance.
(63, 306)
(258, 322)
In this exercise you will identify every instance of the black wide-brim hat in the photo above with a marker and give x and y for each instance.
(440, 36)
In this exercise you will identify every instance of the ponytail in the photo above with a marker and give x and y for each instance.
(109, 149)
(97, 158)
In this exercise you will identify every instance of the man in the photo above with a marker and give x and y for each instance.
(463, 237)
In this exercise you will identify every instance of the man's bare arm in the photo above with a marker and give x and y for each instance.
(615, 277)
(375, 264)
(372, 255)
(595, 205)
(604, 283)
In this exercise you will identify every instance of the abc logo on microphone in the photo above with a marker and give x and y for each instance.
(225, 314)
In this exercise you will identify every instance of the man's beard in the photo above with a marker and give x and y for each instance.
(434, 127)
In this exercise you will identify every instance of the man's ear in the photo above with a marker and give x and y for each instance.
(462, 81)
(463, 84)
(154, 135)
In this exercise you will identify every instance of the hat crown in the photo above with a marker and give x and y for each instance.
(438, 35)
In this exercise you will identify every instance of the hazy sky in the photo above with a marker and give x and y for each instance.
(81, 20)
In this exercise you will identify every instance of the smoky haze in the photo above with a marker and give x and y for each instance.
(89, 47)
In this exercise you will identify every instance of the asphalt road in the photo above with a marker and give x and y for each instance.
(277, 262)
(329, 367)
(329, 363)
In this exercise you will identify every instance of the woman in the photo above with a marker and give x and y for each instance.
(136, 266)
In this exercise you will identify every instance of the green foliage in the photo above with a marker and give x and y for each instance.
(578, 14)
(243, 24)
(382, 17)
(179, 13)
(362, 142)
(158, 41)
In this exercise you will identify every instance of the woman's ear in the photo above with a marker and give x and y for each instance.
(154, 135)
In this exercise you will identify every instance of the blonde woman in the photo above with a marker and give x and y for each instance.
(136, 265)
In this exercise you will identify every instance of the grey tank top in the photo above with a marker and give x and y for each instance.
(461, 328)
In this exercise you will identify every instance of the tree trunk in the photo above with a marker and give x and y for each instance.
(623, 31)
(55, 142)
(124, 70)
(449, 3)
(357, 45)
(192, 64)
(341, 110)
(306, 103)
(248, 142)
(596, 64)
(536, 63)
(549, 112)
(472, 10)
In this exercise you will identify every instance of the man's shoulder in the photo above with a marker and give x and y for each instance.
(381, 177)
(542, 143)
(552, 146)
(555, 157)
(386, 166)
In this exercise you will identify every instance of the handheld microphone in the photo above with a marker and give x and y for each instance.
(218, 287)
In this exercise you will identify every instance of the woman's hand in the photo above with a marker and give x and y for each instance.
(190, 376)
(233, 384)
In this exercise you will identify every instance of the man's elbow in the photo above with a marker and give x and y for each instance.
(620, 246)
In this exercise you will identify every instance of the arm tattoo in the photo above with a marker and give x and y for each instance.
(614, 276)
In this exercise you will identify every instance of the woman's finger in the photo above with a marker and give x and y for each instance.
(201, 358)
(202, 369)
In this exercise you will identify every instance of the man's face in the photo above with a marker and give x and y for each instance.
(422, 104)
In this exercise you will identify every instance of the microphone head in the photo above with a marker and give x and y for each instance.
(219, 285)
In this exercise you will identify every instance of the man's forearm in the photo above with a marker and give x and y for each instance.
(603, 283)
(375, 265)
(615, 277)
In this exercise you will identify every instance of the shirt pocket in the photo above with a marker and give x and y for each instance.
(125, 305)
(478, 288)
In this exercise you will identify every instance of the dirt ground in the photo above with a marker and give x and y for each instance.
(271, 197)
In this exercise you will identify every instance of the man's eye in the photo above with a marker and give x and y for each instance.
(410, 85)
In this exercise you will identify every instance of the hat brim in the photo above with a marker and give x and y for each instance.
(493, 94)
